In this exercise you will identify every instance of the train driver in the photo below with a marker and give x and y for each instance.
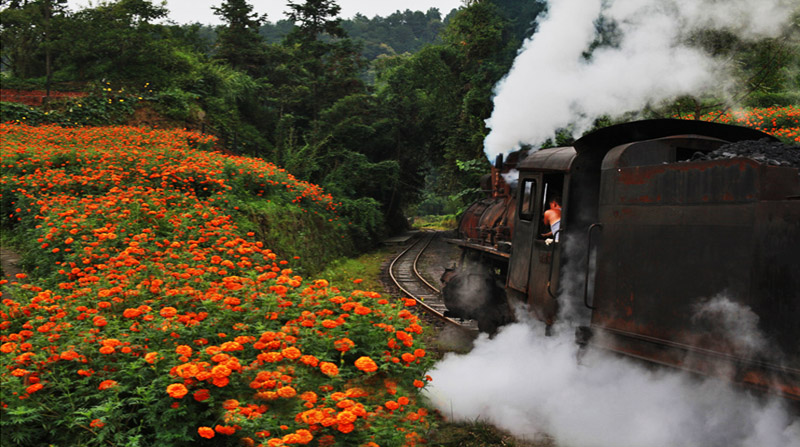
(552, 218)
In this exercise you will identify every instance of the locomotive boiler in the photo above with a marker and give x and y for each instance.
(664, 252)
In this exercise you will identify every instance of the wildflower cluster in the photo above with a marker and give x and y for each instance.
(782, 122)
(149, 315)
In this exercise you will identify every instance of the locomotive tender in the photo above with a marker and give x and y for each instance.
(691, 264)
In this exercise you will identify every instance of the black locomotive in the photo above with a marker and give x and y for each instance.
(664, 252)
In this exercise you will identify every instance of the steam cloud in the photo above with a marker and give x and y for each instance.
(534, 386)
(551, 86)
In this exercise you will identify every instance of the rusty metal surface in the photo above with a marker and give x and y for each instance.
(553, 159)
(678, 235)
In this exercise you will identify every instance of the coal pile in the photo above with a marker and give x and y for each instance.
(763, 151)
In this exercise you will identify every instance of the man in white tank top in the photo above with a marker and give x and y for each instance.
(552, 218)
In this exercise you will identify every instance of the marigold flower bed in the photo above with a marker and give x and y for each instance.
(150, 318)
(782, 122)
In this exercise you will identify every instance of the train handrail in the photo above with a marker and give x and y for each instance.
(588, 264)
(553, 245)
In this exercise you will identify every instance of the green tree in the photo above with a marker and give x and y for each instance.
(315, 18)
(118, 41)
(239, 42)
(29, 33)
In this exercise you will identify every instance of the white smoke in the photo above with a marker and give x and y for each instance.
(552, 86)
(511, 177)
(737, 324)
(533, 386)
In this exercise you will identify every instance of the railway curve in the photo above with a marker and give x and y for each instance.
(404, 273)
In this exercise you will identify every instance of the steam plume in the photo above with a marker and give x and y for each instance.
(532, 385)
(552, 86)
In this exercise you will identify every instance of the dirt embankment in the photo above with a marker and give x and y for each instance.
(9, 261)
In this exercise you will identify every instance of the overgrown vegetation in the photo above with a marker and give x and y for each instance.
(153, 312)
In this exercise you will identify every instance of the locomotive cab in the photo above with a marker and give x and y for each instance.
(533, 274)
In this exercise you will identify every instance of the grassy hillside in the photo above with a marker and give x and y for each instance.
(157, 310)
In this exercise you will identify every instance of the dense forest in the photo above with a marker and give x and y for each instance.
(387, 114)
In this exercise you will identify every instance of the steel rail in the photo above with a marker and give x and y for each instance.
(393, 274)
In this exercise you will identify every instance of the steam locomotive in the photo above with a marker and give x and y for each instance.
(663, 253)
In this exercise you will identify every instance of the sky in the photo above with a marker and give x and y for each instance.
(190, 11)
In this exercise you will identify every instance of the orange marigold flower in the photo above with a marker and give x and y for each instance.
(224, 429)
(177, 390)
(407, 357)
(107, 350)
(402, 400)
(69, 355)
(230, 404)
(151, 357)
(309, 360)
(205, 432)
(343, 344)
(419, 353)
(184, 350)
(99, 321)
(356, 392)
(229, 346)
(419, 384)
(409, 302)
(8, 347)
(287, 392)
(98, 423)
(329, 369)
(106, 384)
(34, 388)
(291, 353)
(366, 364)
(329, 324)
(345, 428)
(362, 310)
(304, 436)
(168, 312)
(220, 371)
(131, 313)
(392, 405)
(309, 396)
(346, 417)
(201, 395)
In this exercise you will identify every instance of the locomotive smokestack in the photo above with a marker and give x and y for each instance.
(496, 172)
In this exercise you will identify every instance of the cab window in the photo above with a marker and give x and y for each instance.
(527, 199)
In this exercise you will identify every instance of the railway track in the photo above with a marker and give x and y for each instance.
(404, 274)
